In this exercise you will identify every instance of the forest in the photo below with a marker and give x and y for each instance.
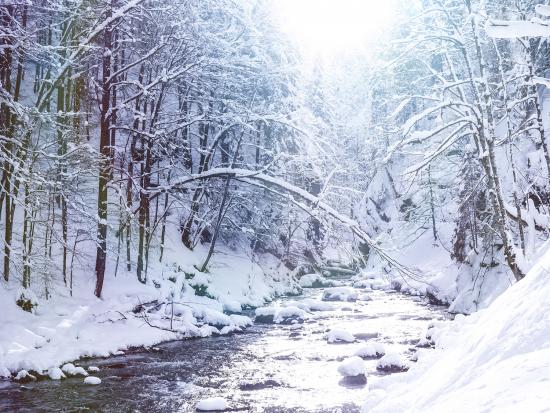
(253, 173)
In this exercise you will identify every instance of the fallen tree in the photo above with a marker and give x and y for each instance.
(298, 196)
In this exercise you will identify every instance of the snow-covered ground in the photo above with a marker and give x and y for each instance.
(63, 328)
(496, 360)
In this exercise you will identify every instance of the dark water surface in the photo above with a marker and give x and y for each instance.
(270, 368)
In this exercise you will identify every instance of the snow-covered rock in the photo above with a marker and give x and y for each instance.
(364, 297)
(280, 315)
(92, 380)
(212, 404)
(370, 350)
(340, 294)
(309, 304)
(55, 373)
(71, 370)
(340, 336)
(317, 281)
(363, 284)
(392, 362)
(93, 368)
(24, 376)
(352, 366)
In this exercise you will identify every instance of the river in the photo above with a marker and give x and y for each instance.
(269, 368)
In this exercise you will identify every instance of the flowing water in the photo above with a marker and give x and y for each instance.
(269, 368)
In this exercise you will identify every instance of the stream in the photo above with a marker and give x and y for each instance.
(268, 368)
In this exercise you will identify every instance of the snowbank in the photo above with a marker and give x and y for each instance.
(495, 360)
(64, 328)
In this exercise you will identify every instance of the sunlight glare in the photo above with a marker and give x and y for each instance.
(329, 27)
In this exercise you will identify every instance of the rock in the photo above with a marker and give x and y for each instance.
(353, 381)
(258, 385)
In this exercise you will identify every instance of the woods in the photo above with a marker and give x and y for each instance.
(108, 101)
(122, 99)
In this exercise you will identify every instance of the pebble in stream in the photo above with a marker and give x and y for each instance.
(269, 368)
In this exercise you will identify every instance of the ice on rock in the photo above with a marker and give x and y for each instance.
(55, 373)
(340, 294)
(212, 404)
(340, 336)
(392, 362)
(92, 380)
(370, 350)
(352, 366)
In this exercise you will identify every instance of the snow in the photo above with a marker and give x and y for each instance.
(317, 281)
(515, 29)
(64, 329)
(309, 304)
(92, 380)
(93, 368)
(370, 350)
(55, 373)
(212, 404)
(340, 294)
(280, 314)
(497, 359)
(352, 366)
(24, 375)
(71, 370)
(392, 361)
(543, 10)
(340, 336)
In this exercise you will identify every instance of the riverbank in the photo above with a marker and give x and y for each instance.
(65, 328)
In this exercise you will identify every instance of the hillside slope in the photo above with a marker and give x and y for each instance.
(495, 360)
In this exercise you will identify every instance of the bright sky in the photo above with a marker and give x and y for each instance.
(330, 27)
